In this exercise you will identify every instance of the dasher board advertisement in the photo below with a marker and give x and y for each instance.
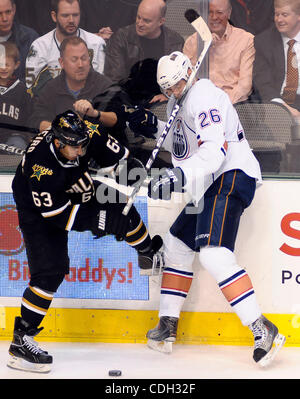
(99, 268)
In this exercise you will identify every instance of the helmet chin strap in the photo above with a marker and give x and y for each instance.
(165, 91)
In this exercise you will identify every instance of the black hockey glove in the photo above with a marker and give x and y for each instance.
(129, 172)
(141, 121)
(162, 185)
(110, 220)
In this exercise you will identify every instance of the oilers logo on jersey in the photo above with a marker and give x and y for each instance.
(180, 142)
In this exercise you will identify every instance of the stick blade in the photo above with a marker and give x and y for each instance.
(201, 27)
(191, 15)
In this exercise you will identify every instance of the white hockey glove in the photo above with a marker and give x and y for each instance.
(162, 185)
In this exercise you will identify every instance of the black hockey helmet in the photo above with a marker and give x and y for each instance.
(69, 129)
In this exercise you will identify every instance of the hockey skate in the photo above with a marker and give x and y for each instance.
(162, 336)
(265, 335)
(151, 260)
(24, 352)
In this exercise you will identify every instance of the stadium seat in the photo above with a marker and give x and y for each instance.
(267, 127)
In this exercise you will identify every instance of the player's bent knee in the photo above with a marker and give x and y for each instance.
(177, 254)
(220, 262)
(47, 283)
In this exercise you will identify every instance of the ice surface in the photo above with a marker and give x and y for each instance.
(137, 361)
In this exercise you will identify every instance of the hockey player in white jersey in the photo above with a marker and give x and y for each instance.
(214, 164)
(44, 51)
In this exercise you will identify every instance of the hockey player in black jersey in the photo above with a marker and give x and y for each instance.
(55, 193)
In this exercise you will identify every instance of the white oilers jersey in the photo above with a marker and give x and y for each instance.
(45, 51)
(207, 138)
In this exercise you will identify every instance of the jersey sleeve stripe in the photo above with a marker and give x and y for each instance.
(72, 217)
(56, 211)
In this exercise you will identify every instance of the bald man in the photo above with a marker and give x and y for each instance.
(132, 52)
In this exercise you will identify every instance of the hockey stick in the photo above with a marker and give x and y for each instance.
(19, 128)
(200, 26)
(11, 149)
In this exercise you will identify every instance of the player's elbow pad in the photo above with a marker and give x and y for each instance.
(205, 162)
(209, 158)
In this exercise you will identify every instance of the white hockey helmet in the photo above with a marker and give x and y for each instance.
(172, 68)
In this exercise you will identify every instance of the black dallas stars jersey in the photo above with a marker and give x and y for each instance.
(49, 188)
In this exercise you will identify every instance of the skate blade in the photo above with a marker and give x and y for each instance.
(279, 341)
(160, 346)
(150, 272)
(157, 267)
(21, 364)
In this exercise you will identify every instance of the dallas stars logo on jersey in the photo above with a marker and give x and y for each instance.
(39, 171)
(92, 128)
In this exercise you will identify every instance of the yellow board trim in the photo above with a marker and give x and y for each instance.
(130, 326)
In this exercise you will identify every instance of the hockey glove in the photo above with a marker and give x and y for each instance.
(129, 172)
(111, 221)
(162, 185)
(141, 121)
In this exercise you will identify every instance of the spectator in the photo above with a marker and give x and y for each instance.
(45, 50)
(36, 14)
(254, 16)
(231, 54)
(270, 65)
(14, 32)
(102, 17)
(15, 103)
(133, 51)
(78, 80)
(106, 16)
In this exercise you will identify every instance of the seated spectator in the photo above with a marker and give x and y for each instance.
(254, 16)
(80, 88)
(36, 14)
(104, 17)
(15, 102)
(133, 52)
(97, 16)
(77, 80)
(231, 54)
(271, 74)
(12, 31)
(45, 50)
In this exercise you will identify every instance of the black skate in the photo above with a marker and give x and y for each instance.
(265, 335)
(24, 352)
(162, 336)
(150, 260)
